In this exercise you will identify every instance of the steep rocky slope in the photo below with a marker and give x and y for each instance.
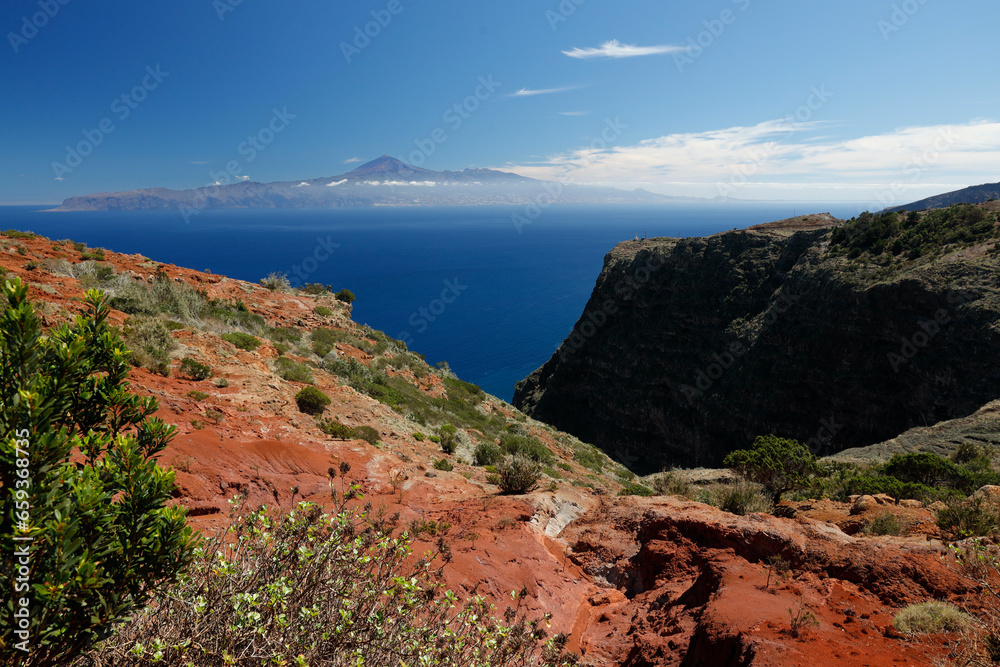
(689, 348)
(633, 581)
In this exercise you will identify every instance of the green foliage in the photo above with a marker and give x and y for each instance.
(885, 523)
(345, 295)
(334, 428)
(670, 484)
(972, 518)
(933, 617)
(316, 289)
(872, 485)
(197, 395)
(293, 371)
(635, 489)
(779, 464)
(244, 341)
(518, 474)
(418, 436)
(95, 254)
(311, 401)
(287, 335)
(15, 234)
(368, 434)
(444, 465)
(323, 311)
(487, 454)
(102, 539)
(151, 344)
(195, 370)
(590, 457)
(741, 498)
(449, 438)
(889, 235)
(326, 590)
(526, 446)
(276, 282)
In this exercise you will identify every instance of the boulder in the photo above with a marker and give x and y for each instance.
(864, 504)
(883, 499)
(910, 503)
(988, 494)
(937, 506)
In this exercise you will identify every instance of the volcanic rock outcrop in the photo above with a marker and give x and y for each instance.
(690, 348)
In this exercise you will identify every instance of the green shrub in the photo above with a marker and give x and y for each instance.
(449, 438)
(934, 617)
(418, 436)
(434, 439)
(244, 341)
(487, 454)
(885, 523)
(741, 498)
(518, 474)
(312, 401)
(97, 254)
(590, 457)
(368, 434)
(195, 370)
(323, 311)
(635, 489)
(872, 485)
(16, 234)
(151, 344)
(530, 447)
(779, 464)
(292, 371)
(276, 282)
(102, 538)
(197, 395)
(443, 464)
(222, 383)
(670, 484)
(325, 590)
(972, 518)
(345, 295)
(287, 335)
(316, 289)
(334, 428)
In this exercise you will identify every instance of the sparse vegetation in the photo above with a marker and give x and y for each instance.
(293, 371)
(885, 523)
(323, 311)
(276, 282)
(197, 395)
(444, 465)
(244, 341)
(671, 484)
(449, 438)
(345, 295)
(934, 617)
(150, 342)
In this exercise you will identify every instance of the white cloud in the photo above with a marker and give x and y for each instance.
(615, 49)
(574, 113)
(527, 92)
(334, 183)
(243, 178)
(352, 160)
(199, 161)
(303, 184)
(422, 184)
(781, 159)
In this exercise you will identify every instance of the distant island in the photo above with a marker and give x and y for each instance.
(384, 181)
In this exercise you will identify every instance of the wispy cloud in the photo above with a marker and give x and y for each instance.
(777, 159)
(199, 161)
(527, 92)
(352, 160)
(332, 184)
(615, 49)
(574, 113)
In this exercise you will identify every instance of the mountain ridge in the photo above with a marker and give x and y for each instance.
(384, 181)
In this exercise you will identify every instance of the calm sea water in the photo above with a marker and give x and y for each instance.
(458, 284)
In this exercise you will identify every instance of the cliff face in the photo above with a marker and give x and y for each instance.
(690, 348)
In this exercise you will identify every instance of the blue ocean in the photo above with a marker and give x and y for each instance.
(461, 285)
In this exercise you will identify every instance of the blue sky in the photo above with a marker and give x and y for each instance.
(860, 100)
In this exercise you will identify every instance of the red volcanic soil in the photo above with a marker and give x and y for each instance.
(633, 581)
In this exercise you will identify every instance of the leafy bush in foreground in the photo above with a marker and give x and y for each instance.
(324, 590)
(931, 618)
(102, 539)
(779, 464)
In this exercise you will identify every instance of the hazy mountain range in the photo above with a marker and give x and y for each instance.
(385, 181)
(977, 194)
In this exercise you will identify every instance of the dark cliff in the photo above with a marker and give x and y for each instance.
(690, 348)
